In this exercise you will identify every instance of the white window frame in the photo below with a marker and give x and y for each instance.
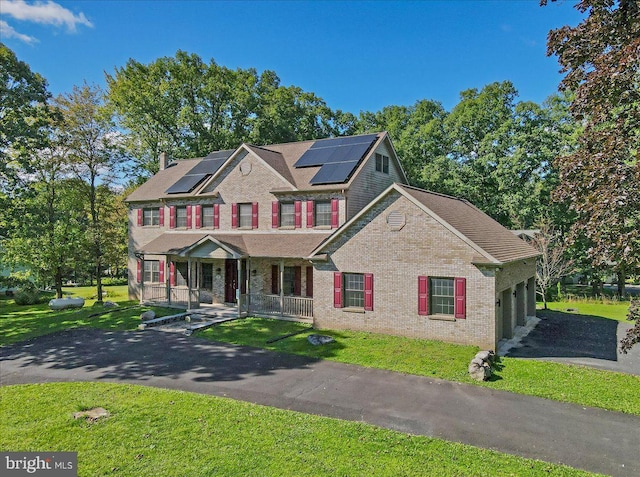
(317, 214)
(152, 271)
(245, 219)
(442, 299)
(150, 217)
(181, 221)
(353, 290)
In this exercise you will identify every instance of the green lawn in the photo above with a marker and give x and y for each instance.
(561, 382)
(18, 323)
(154, 432)
(612, 310)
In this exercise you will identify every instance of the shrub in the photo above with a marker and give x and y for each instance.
(112, 281)
(27, 295)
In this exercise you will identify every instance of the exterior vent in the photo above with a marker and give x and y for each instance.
(396, 220)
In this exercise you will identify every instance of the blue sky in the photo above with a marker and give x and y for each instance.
(357, 56)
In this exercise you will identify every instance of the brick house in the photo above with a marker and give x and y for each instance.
(327, 231)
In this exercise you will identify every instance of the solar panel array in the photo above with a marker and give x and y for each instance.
(205, 168)
(338, 157)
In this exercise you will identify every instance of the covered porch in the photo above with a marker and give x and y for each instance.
(207, 270)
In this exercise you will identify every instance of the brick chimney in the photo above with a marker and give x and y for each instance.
(162, 159)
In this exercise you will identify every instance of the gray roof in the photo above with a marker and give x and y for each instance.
(496, 240)
(280, 157)
(284, 245)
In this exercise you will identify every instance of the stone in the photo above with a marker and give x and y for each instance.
(64, 303)
(317, 340)
(92, 414)
(486, 356)
(479, 369)
(110, 304)
(148, 315)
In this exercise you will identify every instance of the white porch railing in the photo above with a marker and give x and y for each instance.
(179, 295)
(297, 306)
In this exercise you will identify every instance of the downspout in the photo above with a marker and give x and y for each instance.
(189, 282)
(238, 287)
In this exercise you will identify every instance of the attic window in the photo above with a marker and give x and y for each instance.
(382, 163)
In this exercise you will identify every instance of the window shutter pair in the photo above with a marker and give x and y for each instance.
(216, 216)
(254, 215)
(139, 217)
(368, 291)
(460, 298)
(172, 216)
(189, 216)
(234, 216)
(161, 216)
(275, 214)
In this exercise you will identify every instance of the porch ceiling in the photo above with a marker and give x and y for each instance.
(290, 245)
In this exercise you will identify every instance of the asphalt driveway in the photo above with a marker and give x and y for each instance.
(587, 438)
(579, 339)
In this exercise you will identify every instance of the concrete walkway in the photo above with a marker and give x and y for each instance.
(587, 438)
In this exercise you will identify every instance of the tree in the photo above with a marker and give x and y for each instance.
(24, 116)
(633, 335)
(94, 154)
(552, 264)
(601, 179)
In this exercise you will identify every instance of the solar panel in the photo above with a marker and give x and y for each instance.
(335, 172)
(186, 184)
(206, 167)
(338, 149)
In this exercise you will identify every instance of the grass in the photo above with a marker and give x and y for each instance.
(610, 309)
(561, 382)
(154, 432)
(18, 323)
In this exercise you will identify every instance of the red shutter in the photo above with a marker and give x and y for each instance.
(172, 217)
(161, 274)
(310, 281)
(234, 216)
(309, 214)
(189, 216)
(216, 216)
(139, 217)
(460, 287)
(297, 281)
(368, 291)
(172, 274)
(297, 210)
(337, 290)
(161, 216)
(334, 213)
(198, 216)
(423, 295)
(139, 272)
(254, 215)
(275, 279)
(275, 212)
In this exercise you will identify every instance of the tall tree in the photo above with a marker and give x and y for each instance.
(601, 179)
(94, 154)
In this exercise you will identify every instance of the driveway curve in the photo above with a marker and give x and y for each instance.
(587, 438)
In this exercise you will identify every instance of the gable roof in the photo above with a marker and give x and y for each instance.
(494, 243)
(281, 158)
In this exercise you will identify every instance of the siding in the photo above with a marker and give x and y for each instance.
(369, 183)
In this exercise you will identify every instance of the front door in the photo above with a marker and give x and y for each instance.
(230, 280)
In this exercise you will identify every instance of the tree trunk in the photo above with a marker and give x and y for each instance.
(621, 285)
(58, 280)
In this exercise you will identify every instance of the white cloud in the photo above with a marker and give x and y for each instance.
(7, 31)
(46, 13)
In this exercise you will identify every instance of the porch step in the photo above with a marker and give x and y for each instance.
(163, 320)
(187, 323)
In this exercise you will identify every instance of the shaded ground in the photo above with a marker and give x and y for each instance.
(587, 438)
(579, 339)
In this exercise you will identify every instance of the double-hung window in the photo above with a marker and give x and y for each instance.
(181, 216)
(353, 290)
(245, 214)
(152, 271)
(207, 216)
(287, 214)
(442, 296)
(382, 163)
(322, 213)
(151, 216)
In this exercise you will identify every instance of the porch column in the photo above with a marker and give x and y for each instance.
(281, 277)
(189, 283)
(248, 285)
(141, 279)
(167, 275)
(238, 286)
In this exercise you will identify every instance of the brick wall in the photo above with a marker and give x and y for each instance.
(396, 259)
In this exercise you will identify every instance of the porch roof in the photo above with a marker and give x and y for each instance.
(274, 245)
